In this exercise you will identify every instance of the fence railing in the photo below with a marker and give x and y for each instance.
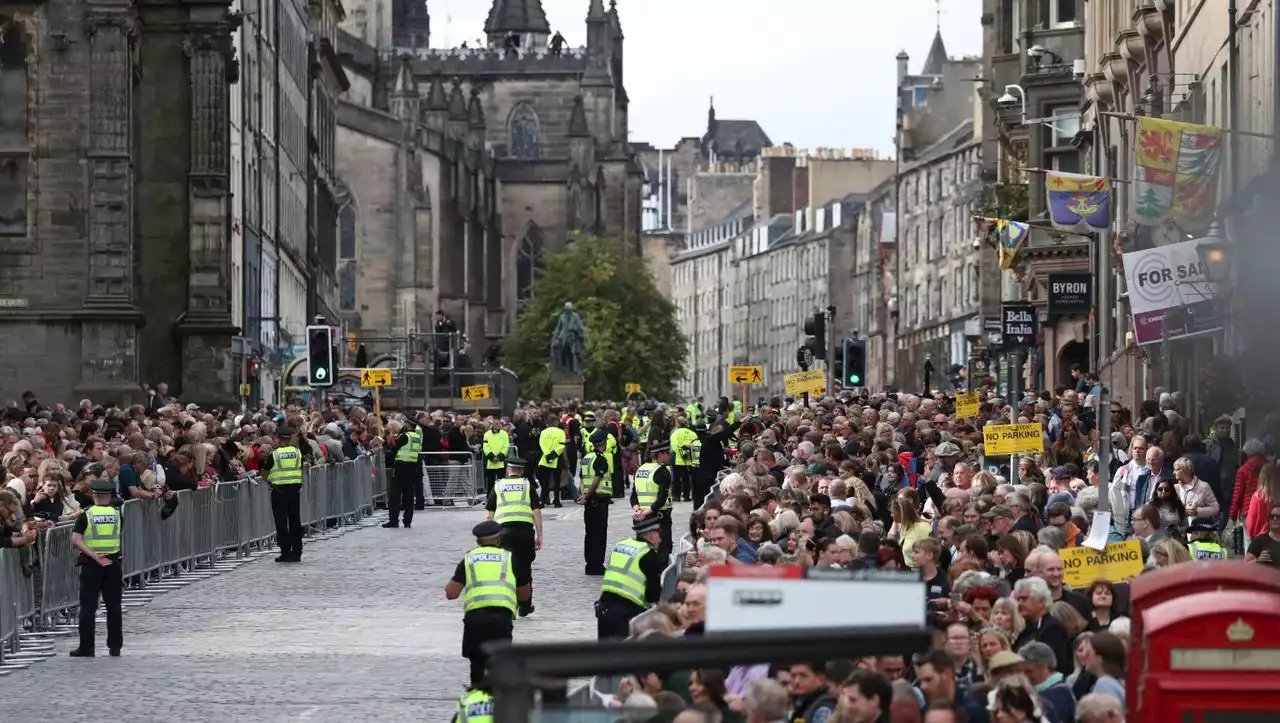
(40, 585)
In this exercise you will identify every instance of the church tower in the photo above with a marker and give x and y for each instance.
(523, 18)
(410, 25)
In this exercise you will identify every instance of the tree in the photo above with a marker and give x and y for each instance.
(632, 335)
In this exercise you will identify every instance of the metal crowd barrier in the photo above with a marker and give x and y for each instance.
(448, 478)
(210, 523)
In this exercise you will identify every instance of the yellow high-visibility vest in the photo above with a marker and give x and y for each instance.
(514, 501)
(491, 581)
(622, 575)
(412, 449)
(496, 445)
(647, 487)
(588, 474)
(286, 467)
(102, 533)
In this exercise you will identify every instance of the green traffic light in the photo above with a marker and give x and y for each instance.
(855, 379)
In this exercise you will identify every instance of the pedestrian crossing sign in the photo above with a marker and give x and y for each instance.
(375, 378)
(475, 393)
(633, 388)
(746, 375)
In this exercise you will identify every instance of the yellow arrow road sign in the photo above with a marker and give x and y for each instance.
(476, 392)
(746, 375)
(375, 378)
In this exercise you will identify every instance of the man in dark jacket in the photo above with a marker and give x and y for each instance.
(1042, 670)
(1034, 598)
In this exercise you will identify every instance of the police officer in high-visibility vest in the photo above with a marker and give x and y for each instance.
(632, 579)
(514, 504)
(682, 440)
(496, 445)
(283, 470)
(651, 493)
(1204, 542)
(596, 478)
(552, 441)
(97, 537)
(406, 474)
(486, 580)
(475, 706)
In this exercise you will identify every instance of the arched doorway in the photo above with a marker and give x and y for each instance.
(1071, 354)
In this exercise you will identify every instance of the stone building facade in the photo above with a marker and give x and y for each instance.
(116, 253)
(544, 130)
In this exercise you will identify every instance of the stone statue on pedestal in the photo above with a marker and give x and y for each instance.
(568, 343)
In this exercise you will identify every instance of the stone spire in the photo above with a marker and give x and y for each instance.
(475, 112)
(436, 99)
(457, 103)
(517, 17)
(598, 46)
(410, 24)
(615, 23)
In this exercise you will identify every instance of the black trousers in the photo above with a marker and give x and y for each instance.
(107, 582)
(613, 617)
(549, 482)
(595, 539)
(286, 508)
(480, 627)
(665, 523)
(491, 477)
(701, 486)
(518, 539)
(402, 491)
(619, 478)
(682, 482)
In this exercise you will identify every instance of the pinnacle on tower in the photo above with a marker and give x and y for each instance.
(436, 98)
(457, 104)
(595, 12)
(475, 112)
(578, 120)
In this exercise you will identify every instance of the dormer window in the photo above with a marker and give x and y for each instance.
(920, 96)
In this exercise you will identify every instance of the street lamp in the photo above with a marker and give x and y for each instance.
(1214, 258)
(1009, 100)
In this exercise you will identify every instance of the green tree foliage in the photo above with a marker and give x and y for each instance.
(632, 335)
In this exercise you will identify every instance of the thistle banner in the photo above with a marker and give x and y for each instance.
(1077, 202)
(1176, 174)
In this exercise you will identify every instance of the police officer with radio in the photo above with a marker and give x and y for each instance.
(97, 537)
(283, 470)
(406, 475)
(651, 493)
(486, 580)
(514, 504)
(632, 579)
(596, 476)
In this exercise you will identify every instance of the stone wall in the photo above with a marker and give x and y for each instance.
(716, 195)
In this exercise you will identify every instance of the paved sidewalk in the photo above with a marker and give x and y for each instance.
(359, 631)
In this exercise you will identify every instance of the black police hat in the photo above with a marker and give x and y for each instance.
(284, 431)
(1199, 526)
(600, 437)
(659, 447)
(103, 485)
(647, 524)
(514, 460)
(486, 530)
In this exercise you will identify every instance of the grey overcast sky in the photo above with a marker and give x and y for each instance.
(812, 72)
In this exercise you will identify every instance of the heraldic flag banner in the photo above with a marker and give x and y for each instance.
(1077, 202)
(1177, 173)
(1013, 235)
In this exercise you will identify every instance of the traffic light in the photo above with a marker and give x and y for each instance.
(816, 327)
(854, 366)
(320, 368)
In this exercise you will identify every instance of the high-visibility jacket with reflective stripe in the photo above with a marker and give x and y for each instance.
(647, 487)
(474, 707)
(622, 575)
(695, 451)
(491, 581)
(496, 445)
(1207, 551)
(552, 443)
(410, 451)
(102, 531)
(589, 473)
(514, 501)
(680, 439)
(286, 467)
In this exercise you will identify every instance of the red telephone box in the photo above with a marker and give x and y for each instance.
(1206, 644)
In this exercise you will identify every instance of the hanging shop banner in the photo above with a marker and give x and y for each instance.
(1168, 294)
(1070, 294)
(1020, 324)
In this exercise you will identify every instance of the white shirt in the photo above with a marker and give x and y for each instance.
(19, 488)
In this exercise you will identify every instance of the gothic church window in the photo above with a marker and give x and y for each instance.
(347, 258)
(526, 132)
(528, 258)
(13, 128)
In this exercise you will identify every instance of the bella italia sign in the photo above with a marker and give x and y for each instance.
(1021, 323)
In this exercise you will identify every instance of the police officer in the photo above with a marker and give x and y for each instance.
(632, 579)
(514, 504)
(552, 441)
(486, 580)
(496, 445)
(97, 537)
(682, 439)
(283, 470)
(651, 493)
(475, 706)
(406, 475)
(597, 489)
(1204, 542)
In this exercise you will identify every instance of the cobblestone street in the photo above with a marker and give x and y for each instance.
(359, 631)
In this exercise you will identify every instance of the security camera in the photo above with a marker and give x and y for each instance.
(977, 243)
(1007, 101)
(1035, 51)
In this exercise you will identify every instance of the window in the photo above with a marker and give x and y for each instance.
(347, 286)
(525, 132)
(1065, 124)
(1063, 13)
(347, 233)
(13, 128)
(529, 257)
(920, 96)
(1065, 162)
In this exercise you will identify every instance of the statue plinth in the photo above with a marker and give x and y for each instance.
(566, 385)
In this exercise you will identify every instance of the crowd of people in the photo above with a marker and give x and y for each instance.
(898, 482)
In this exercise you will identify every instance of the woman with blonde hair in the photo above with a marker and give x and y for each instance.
(910, 527)
(1070, 618)
(1005, 615)
(989, 641)
(1169, 552)
(845, 522)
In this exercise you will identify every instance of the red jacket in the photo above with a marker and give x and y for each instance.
(1246, 483)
